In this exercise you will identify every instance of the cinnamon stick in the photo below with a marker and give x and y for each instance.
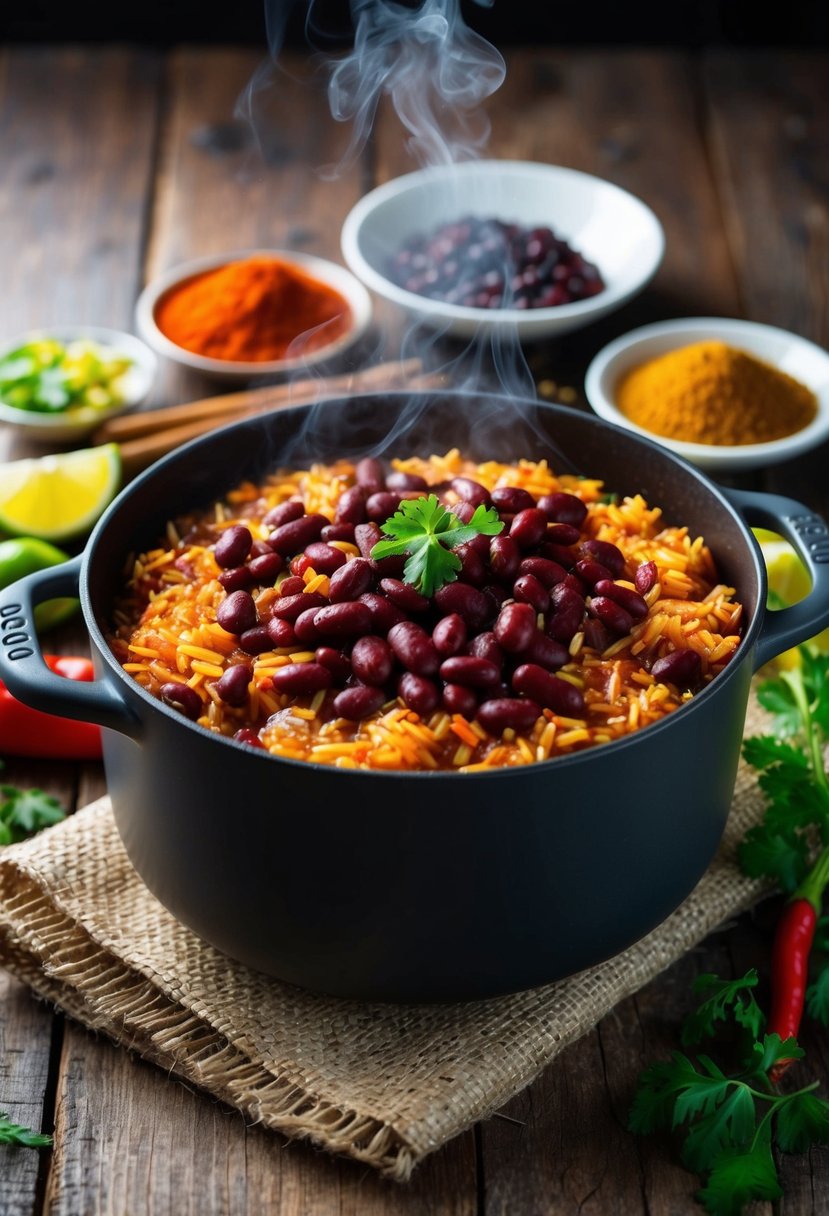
(228, 405)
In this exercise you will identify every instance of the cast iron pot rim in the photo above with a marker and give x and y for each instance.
(186, 453)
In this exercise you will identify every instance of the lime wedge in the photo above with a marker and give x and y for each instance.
(60, 496)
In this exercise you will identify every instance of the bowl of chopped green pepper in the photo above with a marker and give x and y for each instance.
(62, 384)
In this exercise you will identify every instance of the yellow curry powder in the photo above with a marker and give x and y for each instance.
(710, 392)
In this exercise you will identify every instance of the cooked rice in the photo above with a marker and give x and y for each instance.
(165, 629)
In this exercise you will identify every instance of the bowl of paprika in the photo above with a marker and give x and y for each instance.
(262, 312)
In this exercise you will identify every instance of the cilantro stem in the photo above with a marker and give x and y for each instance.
(794, 681)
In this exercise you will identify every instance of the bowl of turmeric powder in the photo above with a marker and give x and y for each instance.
(262, 312)
(725, 394)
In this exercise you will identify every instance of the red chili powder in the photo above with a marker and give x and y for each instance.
(252, 311)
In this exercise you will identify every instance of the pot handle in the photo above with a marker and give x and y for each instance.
(23, 670)
(809, 536)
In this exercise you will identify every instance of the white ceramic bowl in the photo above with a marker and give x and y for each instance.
(74, 424)
(608, 226)
(801, 359)
(319, 268)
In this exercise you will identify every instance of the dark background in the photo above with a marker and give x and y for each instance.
(555, 22)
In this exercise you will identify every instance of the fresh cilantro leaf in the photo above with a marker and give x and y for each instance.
(14, 1133)
(815, 671)
(777, 698)
(730, 1125)
(771, 1049)
(24, 812)
(427, 531)
(783, 856)
(738, 1177)
(766, 751)
(802, 1120)
(721, 998)
(656, 1092)
(817, 998)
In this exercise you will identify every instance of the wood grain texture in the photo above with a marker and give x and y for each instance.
(25, 1042)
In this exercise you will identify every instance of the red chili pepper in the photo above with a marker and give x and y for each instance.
(29, 732)
(790, 972)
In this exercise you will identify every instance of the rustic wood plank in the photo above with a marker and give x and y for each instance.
(25, 1043)
(130, 1139)
(77, 136)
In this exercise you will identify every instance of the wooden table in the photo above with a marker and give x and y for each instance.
(118, 162)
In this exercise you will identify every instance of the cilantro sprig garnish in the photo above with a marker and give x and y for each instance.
(427, 532)
(24, 812)
(730, 1121)
(15, 1133)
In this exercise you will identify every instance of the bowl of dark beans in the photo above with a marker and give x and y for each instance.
(497, 245)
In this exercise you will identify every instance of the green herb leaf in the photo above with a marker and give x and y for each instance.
(817, 998)
(771, 1049)
(802, 1120)
(738, 1178)
(783, 856)
(776, 697)
(731, 1125)
(24, 812)
(721, 998)
(427, 531)
(15, 1133)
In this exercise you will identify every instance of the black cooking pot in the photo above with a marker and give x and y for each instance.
(418, 886)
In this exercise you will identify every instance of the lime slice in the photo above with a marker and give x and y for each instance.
(58, 496)
(788, 579)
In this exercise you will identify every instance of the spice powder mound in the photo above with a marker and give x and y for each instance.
(712, 393)
(609, 649)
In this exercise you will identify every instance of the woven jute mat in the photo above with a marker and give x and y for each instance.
(385, 1084)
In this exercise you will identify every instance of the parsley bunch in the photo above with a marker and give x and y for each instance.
(427, 532)
(730, 1121)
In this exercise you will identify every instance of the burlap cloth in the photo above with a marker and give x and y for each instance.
(385, 1084)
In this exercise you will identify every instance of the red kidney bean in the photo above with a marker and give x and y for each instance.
(232, 687)
(591, 572)
(324, 559)
(238, 578)
(512, 499)
(631, 601)
(347, 619)
(256, 640)
(486, 646)
(528, 527)
(405, 482)
(549, 691)
(459, 700)
(233, 546)
(645, 577)
(596, 635)
(281, 632)
(350, 580)
(389, 567)
(237, 612)
(248, 738)
(384, 614)
(565, 556)
(366, 537)
(463, 511)
(372, 660)
(575, 584)
(529, 590)
(382, 506)
(259, 548)
(516, 713)
(472, 604)
(608, 554)
(611, 614)
(471, 672)
(359, 701)
(301, 678)
(504, 557)
(288, 607)
(497, 593)
(265, 568)
(547, 572)
(337, 532)
(370, 476)
(404, 595)
(480, 544)
(470, 491)
(294, 536)
(546, 652)
(291, 586)
(285, 513)
(472, 568)
(418, 693)
(300, 564)
(563, 508)
(413, 648)
(449, 635)
(680, 667)
(181, 697)
(563, 534)
(515, 627)
(351, 506)
(305, 627)
(337, 663)
(567, 613)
